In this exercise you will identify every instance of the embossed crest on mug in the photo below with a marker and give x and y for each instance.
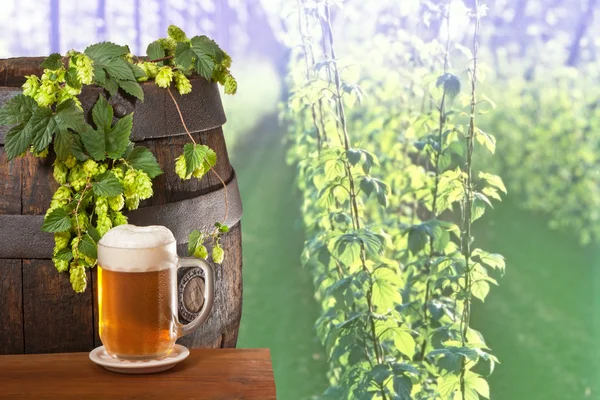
(138, 292)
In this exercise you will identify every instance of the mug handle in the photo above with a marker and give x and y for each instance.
(209, 294)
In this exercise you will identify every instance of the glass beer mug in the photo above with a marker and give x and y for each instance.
(138, 292)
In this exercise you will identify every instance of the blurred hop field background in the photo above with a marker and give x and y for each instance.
(353, 132)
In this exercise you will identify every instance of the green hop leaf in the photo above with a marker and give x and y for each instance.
(155, 51)
(53, 62)
(198, 156)
(88, 247)
(107, 185)
(57, 220)
(141, 158)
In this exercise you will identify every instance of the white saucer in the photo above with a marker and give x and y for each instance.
(101, 357)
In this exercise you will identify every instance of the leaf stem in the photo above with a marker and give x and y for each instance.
(181, 116)
(211, 168)
(353, 201)
(162, 59)
(468, 203)
(438, 153)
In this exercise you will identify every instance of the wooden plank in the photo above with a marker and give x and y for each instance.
(221, 327)
(168, 187)
(56, 319)
(10, 184)
(11, 300)
(241, 374)
(11, 309)
(37, 185)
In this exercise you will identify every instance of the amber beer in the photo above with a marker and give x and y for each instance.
(136, 312)
(137, 292)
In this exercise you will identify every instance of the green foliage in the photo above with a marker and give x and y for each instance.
(385, 168)
(98, 169)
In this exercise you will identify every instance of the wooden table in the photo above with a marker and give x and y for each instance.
(241, 374)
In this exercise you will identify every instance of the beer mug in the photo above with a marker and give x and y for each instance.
(138, 292)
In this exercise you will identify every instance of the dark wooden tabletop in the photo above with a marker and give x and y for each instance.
(241, 374)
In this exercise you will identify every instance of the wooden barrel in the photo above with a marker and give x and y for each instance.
(39, 311)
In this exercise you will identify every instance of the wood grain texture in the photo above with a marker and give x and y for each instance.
(37, 184)
(168, 187)
(56, 319)
(10, 184)
(208, 374)
(221, 328)
(11, 307)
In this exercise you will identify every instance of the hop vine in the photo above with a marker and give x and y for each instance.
(100, 172)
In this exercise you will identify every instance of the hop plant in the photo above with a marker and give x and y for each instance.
(164, 77)
(84, 67)
(118, 218)
(61, 265)
(218, 254)
(77, 277)
(101, 207)
(226, 61)
(31, 86)
(62, 193)
(75, 247)
(182, 83)
(168, 44)
(104, 224)
(61, 240)
(68, 93)
(118, 171)
(90, 167)
(230, 85)
(45, 96)
(116, 203)
(150, 69)
(181, 168)
(70, 162)
(132, 203)
(80, 222)
(144, 185)
(201, 252)
(138, 186)
(176, 33)
(77, 177)
(41, 154)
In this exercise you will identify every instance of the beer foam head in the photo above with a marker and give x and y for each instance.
(130, 248)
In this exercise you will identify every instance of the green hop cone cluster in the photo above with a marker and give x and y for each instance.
(197, 246)
(89, 200)
(92, 209)
(116, 203)
(77, 277)
(201, 252)
(60, 172)
(182, 83)
(164, 77)
(176, 33)
(138, 186)
(218, 254)
(149, 68)
(84, 67)
(57, 84)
